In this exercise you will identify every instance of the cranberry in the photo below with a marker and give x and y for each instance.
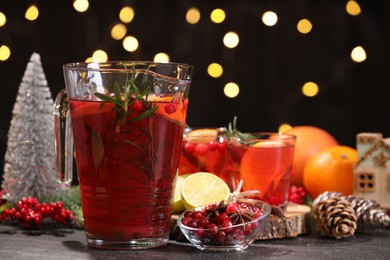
(213, 228)
(203, 222)
(226, 224)
(29, 213)
(221, 235)
(232, 207)
(201, 148)
(222, 217)
(212, 146)
(137, 106)
(197, 214)
(237, 232)
(170, 108)
(199, 232)
(192, 223)
(189, 147)
(188, 214)
(215, 224)
(221, 147)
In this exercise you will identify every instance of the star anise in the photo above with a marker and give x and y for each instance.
(241, 216)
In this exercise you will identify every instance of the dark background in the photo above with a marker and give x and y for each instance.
(270, 64)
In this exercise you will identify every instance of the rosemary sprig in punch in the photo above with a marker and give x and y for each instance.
(127, 96)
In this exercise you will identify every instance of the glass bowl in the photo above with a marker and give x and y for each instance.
(209, 227)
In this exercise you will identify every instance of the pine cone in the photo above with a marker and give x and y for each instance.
(335, 217)
(368, 212)
(326, 195)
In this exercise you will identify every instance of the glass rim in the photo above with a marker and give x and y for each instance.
(117, 65)
(258, 135)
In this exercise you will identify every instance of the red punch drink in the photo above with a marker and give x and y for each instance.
(126, 176)
(265, 165)
(205, 150)
(128, 120)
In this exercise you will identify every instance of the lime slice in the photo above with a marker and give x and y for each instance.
(178, 206)
(203, 188)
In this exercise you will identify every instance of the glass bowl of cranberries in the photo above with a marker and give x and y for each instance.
(225, 226)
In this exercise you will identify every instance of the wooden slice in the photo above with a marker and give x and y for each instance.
(296, 221)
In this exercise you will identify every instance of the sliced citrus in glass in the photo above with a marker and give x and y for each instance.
(203, 188)
(202, 135)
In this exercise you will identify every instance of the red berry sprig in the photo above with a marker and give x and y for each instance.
(29, 213)
(296, 194)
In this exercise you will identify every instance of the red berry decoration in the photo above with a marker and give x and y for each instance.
(29, 213)
(296, 194)
(137, 106)
(170, 108)
(217, 224)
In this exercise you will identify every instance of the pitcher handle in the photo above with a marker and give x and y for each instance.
(63, 139)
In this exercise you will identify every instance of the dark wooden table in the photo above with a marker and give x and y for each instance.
(55, 242)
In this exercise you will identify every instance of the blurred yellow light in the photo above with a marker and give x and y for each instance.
(3, 19)
(231, 90)
(284, 127)
(310, 89)
(193, 15)
(81, 5)
(269, 18)
(130, 43)
(215, 70)
(126, 15)
(118, 31)
(353, 8)
(89, 59)
(32, 13)
(161, 57)
(231, 40)
(217, 15)
(99, 56)
(5, 52)
(358, 54)
(304, 26)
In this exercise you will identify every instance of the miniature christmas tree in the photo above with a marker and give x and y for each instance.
(29, 168)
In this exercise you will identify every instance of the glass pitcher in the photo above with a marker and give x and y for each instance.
(127, 120)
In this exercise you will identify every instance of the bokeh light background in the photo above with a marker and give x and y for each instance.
(272, 63)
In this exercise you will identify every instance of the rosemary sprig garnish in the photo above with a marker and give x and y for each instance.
(128, 94)
(232, 132)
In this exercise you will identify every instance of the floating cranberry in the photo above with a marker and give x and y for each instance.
(137, 106)
(189, 147)
(170, 108)
(212, 146)
(221, 147)
(201, 148)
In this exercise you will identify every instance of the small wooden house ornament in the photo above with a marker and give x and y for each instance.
(372, 171)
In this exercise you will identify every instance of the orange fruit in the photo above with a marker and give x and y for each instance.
(330, 170)
(310, 140)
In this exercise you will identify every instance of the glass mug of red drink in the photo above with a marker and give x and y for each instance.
(205, 150)
(265, 164)
(127, 120)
